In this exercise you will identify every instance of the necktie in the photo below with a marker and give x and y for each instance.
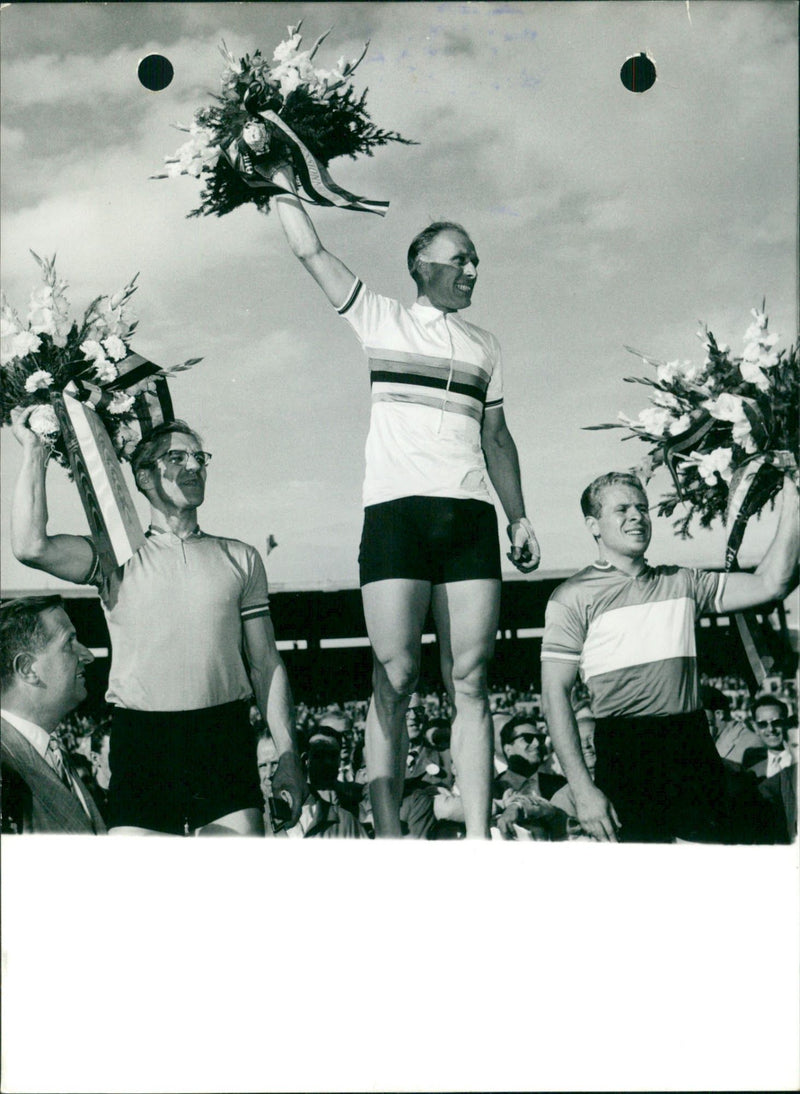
(55, 759)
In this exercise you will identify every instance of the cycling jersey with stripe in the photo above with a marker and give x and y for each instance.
(432, 376)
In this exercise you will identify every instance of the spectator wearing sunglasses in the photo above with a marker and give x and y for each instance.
(192, 640)
(771, 721)
(521, 806)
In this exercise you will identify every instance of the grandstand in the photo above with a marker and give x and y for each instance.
(322, 638)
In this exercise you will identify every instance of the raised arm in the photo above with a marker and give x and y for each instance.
(502, 463)
(776, 574)
(595, 812)
(274, 697)
(331, 274)
(69, 557)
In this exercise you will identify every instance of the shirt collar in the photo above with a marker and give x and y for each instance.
(153, 530)
(36, 736)
(429, 314)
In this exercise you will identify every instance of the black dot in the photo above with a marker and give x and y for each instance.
(155, 72)
(638, 73)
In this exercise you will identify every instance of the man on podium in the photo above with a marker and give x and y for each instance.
(437, 437)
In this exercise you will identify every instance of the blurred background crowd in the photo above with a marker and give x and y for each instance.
(757, 739)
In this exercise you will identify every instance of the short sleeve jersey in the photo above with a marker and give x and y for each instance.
(432, 375)
(174, 614)
(632, 637)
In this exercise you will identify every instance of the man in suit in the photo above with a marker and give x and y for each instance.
(42, 667)
(521, 793)
(771, 722)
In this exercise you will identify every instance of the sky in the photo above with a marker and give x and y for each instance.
(602, 219)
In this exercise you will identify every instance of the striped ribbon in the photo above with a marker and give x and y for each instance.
(315, 178)
(751, 487)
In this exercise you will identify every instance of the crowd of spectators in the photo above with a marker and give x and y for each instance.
(756, 739)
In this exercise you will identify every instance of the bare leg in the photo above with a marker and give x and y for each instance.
(467, 614)
(134, 830)
(244, 822)
(394, 611)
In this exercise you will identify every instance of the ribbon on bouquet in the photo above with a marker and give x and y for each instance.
(314, 177)
(751, 487)
(702, 422)
(140, 378)
(106, 499)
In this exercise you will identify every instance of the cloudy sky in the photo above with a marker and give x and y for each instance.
(602, 218)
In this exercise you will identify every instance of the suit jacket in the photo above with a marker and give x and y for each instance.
(34, 799)
(754, 760)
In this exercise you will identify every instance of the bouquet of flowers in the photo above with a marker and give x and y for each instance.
(270, 113)
(726, 429)
(91, 358)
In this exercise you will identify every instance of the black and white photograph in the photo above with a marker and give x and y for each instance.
(400, 419)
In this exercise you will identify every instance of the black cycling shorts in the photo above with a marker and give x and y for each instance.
(429, 539)
(663, 776)
(175, 771)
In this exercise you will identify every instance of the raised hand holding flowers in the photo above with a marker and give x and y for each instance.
(270, 113)
(714, 423)
(49, 354)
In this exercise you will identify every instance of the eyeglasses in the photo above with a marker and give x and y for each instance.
(179, 457)
(779, 723)
(528, 737)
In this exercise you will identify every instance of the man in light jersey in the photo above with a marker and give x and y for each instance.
(629, 627)
(191, 640)
(437, 437)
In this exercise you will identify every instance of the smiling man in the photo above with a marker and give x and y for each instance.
(42, 674)
(191, 641)
(437, 438)
(630, 628)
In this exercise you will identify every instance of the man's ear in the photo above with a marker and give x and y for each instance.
(593, 525)
(25, 668)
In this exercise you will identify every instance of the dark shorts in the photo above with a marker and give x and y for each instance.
(430, 539)
(175, 771)
(664, 778)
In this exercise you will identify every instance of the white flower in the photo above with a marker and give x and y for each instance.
(48, 310)
(680, 425)
(679, 370)
(92, 350)
(39, 379)
(19, 344)
(711, 464)
(115, 348)
(43, 421)
(752, 373)
(289, 78)
(105, 371)
(120, 404)
(288, 46)
(727, 408)
(113, 321)
(655, 420)
(743, 436)
(760, 318)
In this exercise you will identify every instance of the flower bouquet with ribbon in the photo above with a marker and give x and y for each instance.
(272, 113)
(727, 431)
(94, 397)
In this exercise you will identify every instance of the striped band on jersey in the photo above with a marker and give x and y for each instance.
(255, 610)
(418, 378)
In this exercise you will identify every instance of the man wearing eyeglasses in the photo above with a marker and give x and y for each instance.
(191, 639)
